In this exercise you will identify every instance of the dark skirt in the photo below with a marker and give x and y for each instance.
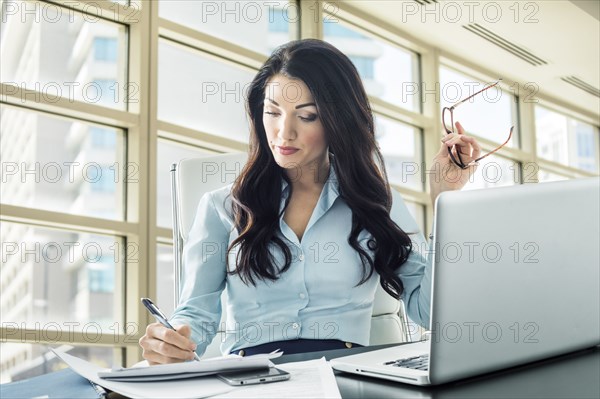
(296, 346)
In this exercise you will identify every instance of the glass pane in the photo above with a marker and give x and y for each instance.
(418, 212)
(60, 52)
(169, 152)
(494, 171)
(401, 146)
(257, 25)
(165, 278)
(62, 164)
(19, 361)
(387, 72)
(488, 115)
(544, 176)
(60, 280)
(566, 140)
(202, 93)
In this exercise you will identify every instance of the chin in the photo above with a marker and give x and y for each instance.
(283, 160)
(287, 163)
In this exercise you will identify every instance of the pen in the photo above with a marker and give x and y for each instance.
(160, 316)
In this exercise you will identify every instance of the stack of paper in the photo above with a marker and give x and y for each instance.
(313, 378)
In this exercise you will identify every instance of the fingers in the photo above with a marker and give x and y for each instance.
(171, 337)
(443, 150)
(460, 130)
(475, 146)
(154, 358)
(467, 146)
(163, 345)
(457, 139)
(460, 144)
(184, 330)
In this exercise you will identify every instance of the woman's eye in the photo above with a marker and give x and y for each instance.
(271, 113)
(309, 118)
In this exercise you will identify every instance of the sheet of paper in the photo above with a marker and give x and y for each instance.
(309, 379)
(177, 389)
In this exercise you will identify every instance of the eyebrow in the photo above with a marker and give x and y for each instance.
(297, 106)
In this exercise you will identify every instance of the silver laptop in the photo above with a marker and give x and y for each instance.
(516, 279)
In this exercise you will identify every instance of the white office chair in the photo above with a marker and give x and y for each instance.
(191, 178)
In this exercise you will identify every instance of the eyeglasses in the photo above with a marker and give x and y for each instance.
(450, 129)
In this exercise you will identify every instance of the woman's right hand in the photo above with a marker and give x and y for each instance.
(163, 345)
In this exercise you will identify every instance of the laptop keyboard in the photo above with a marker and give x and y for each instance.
(416, 362)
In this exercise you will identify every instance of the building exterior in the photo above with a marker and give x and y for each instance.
(57, 279)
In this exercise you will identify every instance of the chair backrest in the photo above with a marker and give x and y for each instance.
(191, 178)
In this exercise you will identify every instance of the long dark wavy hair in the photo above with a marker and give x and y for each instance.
(346, 115)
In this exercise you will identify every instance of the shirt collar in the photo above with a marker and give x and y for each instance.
(329, 194)
(331, 186)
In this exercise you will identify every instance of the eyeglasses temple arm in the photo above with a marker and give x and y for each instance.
(497, 148)
(473, 95)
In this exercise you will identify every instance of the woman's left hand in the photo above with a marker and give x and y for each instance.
(445, 174)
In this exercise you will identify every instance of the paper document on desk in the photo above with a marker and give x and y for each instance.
(201, 387)
(189, 369)
(309, 379)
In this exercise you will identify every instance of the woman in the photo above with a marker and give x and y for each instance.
(309, 228)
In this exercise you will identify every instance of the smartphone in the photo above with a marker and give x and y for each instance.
(262, 376)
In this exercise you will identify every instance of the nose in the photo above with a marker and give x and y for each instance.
(286, 129)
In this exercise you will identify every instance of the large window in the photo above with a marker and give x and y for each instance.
(59, 278)
(401, 146)
(257, 25)
(62, 164)
(202, 92)
(59, 53)
(69, 234)
(389, 72)
(100, 98)
(566, 140)
(566, 147)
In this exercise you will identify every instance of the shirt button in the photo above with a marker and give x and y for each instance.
(302, 296)
(295, 326)
(301, 257)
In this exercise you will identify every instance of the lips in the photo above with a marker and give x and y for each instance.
(287, 150)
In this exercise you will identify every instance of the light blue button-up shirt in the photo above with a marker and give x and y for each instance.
(316, 298)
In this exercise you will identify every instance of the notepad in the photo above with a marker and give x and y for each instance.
(189, 369)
